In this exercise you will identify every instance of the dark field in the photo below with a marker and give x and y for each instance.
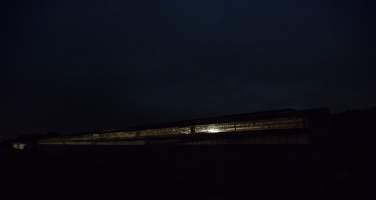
(187, 172)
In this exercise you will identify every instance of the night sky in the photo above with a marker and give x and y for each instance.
(78, 65)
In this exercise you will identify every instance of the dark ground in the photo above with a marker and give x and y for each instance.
(341, 168)
(208, 172)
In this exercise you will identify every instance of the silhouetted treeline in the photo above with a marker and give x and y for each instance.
(354, 127)
(350, 127)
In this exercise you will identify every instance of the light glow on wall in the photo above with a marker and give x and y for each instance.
(19, 146)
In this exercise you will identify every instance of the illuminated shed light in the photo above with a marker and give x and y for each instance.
(233, 127)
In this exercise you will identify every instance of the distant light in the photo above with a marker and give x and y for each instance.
(19, 146)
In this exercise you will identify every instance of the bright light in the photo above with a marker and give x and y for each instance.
(213, 130)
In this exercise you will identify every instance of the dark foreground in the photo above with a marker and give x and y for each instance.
(188, 172)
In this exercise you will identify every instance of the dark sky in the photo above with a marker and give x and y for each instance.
(77, 65)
